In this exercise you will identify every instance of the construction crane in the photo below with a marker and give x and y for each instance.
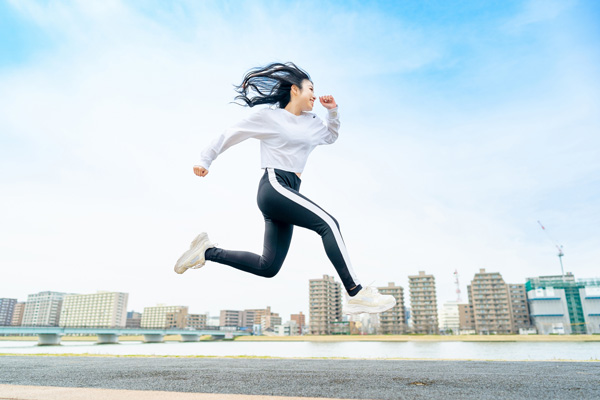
(558, 246)
(458, 299)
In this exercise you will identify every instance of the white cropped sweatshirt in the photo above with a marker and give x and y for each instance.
(286, 139)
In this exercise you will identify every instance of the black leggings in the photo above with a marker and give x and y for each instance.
(283, 207)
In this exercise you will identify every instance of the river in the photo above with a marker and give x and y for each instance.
(509, 351)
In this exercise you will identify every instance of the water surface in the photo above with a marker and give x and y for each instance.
(510, 351)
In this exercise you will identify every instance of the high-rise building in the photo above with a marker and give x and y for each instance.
(392, 321)
(325, 305)
(519, 309)
(43, 309)
(450, 318)
(491, 305)
(101, 309)
(7, 307)
(163, 317)
(561, 305)
(423, 303)
(19, 310)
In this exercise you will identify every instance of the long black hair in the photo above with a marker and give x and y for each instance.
(271, 84)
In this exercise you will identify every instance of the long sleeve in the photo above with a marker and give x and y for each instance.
(333, 125)
(251, 127)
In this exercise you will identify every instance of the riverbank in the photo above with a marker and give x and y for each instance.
(423, 338)
(351, 338)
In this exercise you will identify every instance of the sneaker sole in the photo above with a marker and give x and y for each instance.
(194, 251)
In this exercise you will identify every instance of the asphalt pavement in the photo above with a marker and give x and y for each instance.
(350, 379)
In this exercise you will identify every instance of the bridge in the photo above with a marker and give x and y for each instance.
(51, 335)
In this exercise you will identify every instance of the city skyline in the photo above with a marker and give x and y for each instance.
(461, 127)
(407, 296)
(561, 304)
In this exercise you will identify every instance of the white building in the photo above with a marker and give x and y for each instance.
(450, 318)
(101, 309)
(548, 308)
(562, 305)
(213, 320)
(590, 302)
(43, 309)
(290, 328)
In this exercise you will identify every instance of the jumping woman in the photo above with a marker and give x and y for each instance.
(288, 132)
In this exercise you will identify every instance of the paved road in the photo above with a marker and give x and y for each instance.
(360, 379)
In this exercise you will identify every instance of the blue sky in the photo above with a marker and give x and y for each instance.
(462, 125)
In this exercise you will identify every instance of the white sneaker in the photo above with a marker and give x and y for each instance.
(369, 300)
(194, 257)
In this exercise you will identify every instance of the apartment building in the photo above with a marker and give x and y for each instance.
(423, 303)
(466, 318)
(43, 309)
(489, 295)
(196, 321)
(233, 318)
(519, 308)
(101, 309)
(392, 321)
(249, 318)
(19, 310)
(163, 317)
(259, 320)
(7, 307)
(325, 305)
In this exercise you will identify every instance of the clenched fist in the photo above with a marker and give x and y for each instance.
(328, 102)
(200, 171)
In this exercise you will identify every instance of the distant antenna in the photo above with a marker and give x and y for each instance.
(558, 246)
(457, 284)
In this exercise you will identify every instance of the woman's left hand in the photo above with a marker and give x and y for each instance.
(328, 102)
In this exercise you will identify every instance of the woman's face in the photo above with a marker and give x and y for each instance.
(306, 98)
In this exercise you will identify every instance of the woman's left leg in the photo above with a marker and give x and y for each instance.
(278, 236)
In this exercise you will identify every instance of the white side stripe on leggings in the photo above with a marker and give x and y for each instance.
(320, 213)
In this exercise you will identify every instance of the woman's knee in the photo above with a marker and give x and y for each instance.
(270, 270)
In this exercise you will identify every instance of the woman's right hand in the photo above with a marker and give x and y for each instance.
(200, 171)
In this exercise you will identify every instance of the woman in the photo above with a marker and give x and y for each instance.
(288, 133)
